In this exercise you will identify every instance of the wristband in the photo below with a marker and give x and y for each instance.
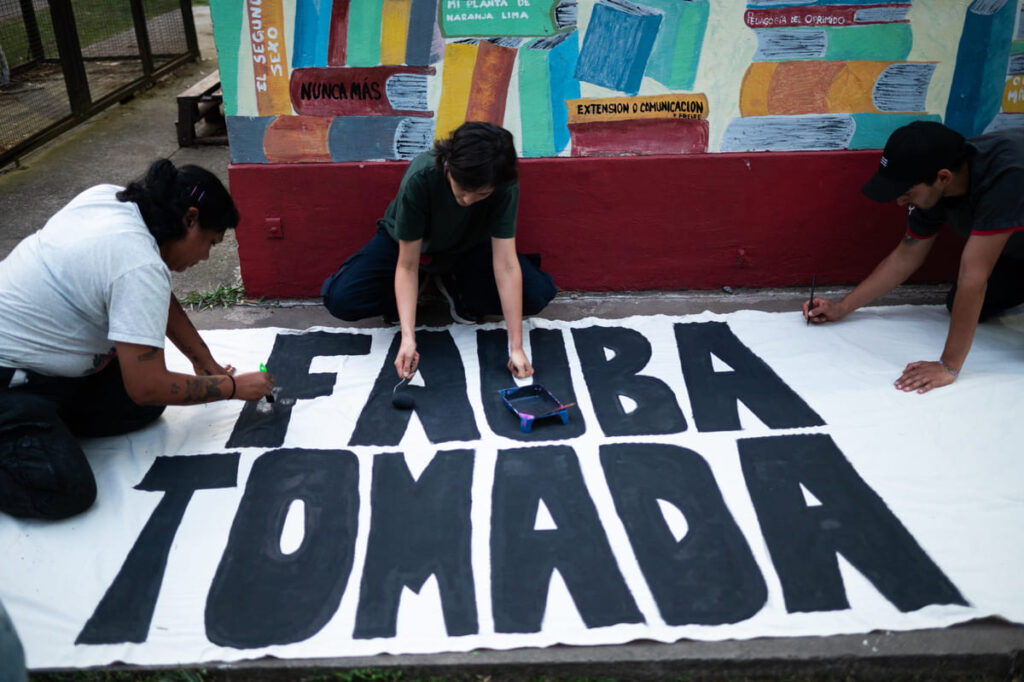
(949, 369)
(234, 387)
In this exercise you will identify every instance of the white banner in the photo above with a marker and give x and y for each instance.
(720, 476)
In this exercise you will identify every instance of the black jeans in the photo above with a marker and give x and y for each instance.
(364, 286)
(43, 471)
(1005, 288)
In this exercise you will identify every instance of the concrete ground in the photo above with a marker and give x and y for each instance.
(119, 144)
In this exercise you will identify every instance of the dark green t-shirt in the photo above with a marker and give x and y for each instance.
(425, 208)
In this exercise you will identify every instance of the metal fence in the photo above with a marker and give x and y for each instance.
(62, 61)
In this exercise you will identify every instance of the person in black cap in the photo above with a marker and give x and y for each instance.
(977, 187)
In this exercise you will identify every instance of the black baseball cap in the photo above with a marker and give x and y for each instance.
(914, 154)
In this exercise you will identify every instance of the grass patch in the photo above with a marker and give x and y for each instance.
(95, 20)
(221, 297)
(108, 676)
(397, 675)
(201, 675)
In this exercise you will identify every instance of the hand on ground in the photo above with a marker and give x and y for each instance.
(924, 376)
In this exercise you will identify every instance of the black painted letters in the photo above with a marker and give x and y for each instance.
(261, 596)
(851, 520)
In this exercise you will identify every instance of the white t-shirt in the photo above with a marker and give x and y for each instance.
(92, 276)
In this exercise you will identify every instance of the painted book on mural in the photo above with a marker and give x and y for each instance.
(488, 90)
(545, 83)
(361, 91)
(820, 87)
(617, 44)
(320, 139)
(677, 49)
(642, 125)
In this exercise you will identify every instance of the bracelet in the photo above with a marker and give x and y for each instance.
(949, 369)
(234, 387)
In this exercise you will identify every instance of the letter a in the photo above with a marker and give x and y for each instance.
(851, 520)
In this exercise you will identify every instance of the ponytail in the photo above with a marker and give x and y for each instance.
(166, 194)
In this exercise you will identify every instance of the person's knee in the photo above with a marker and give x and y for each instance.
(146, 415)
(120, 418)
(537, 296)
(73, 500)
(45, 475)
(336, 306)
(66, 493)
(342, 302)
(341, 307)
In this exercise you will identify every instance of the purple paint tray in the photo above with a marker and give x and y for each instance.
(533, 402)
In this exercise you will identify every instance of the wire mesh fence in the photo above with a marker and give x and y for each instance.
(63, 60)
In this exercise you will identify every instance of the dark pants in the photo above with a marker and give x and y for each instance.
(364, 286)
(1005, 288)
(43, 471)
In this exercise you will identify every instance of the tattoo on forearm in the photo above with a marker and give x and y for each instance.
(148, 355)
(192, 354)
(204, 390)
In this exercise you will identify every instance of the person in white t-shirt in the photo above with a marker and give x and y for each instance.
(85, 305)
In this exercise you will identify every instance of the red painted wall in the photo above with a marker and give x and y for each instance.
(613, 223)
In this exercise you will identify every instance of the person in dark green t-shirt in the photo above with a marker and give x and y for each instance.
(456, 206)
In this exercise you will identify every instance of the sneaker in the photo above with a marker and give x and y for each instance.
(458, 312)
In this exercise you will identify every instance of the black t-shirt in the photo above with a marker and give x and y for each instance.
(425, 208)
(994, 202)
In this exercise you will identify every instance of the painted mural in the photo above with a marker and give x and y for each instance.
(1011, 108)
(355, 80)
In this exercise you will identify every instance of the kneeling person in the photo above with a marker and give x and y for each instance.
(85, 305)
(456, 204)
(977, 187)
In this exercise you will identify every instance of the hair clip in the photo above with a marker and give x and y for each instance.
(193, 193)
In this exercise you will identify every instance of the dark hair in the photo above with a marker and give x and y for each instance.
(166, 194)
(477, 155)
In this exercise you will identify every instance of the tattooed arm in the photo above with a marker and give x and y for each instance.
(183, 334)
(148, 381)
